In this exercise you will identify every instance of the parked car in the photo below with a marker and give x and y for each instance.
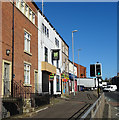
(110, 88)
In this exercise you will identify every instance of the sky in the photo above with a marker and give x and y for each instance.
(96, 23)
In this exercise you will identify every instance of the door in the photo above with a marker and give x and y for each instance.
(36, 82)
(6, 81)
(51, 87)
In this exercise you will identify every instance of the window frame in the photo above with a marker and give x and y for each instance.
(27, 73)
(27, 41)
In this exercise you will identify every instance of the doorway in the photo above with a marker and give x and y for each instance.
(6, 79)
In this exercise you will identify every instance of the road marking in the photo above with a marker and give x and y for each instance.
(41, 109)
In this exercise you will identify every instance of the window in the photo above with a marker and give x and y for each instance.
(26, 73)
(18, 3)
(57, 64)
(26, 10)
(56, 42)
(27, 41)
(30, 14)
(22, 6)
(58, 83)
(43, 27)
(46, 54)
(45, 30)
(33, 17)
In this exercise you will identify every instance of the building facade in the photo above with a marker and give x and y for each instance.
(49, 40)
(65, 67)
(71, 74)
(82, 71)
(19, 48)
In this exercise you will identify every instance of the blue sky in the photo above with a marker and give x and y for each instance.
(97, 31)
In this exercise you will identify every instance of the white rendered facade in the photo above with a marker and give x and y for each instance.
(50, 43)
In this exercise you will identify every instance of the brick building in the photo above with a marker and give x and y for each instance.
(82, 71)
(25, 46)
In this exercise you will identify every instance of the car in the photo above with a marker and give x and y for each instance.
(110, 88)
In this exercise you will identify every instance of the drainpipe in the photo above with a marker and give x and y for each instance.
(12, 52)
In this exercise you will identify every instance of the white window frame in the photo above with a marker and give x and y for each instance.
(26, 10)
(22, 5)
(30, 14)
(27, 73)
(27, 39)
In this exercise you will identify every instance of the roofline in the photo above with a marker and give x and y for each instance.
(72, 63)
(49, 22)
(80, 65)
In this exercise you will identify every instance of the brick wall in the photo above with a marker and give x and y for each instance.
(20, 23)
(82, 71)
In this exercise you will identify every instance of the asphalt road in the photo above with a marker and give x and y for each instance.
(67, 108)
(113, 100)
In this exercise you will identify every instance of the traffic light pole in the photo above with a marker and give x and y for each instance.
(98, 87)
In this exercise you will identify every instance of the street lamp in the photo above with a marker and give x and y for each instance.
(78, 62)
(73, 58)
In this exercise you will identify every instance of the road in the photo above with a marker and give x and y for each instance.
(113, 100)
(69, 108)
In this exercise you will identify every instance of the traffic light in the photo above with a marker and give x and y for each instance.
(92, 70)
(98, 70)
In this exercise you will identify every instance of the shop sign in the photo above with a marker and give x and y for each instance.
(62, 76)
(51, 77)
(64, 80)
(55, 55)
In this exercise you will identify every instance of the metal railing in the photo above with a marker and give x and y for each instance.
(96, 110)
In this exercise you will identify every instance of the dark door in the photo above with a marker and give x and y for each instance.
(51, 83)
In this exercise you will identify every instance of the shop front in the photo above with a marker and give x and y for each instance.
(71, 83)
(65, 84)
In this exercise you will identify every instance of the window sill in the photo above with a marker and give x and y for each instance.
(27, 85)
(27, 53)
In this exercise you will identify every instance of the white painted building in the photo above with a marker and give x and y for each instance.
(48, 39)
(71, 68)
(71, 82)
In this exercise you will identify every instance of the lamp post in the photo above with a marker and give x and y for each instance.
(78, 62)
(79, 65)
(73, 58)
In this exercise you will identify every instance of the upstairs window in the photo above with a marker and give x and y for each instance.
(27, 39)
(30, 14)
(45, 30)
(33, 17)
(46, 54)
(26, 10)
(18, 3)
(22, 6)
(56, 42)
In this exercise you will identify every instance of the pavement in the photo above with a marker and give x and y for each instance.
(63, 107)
(112, 105)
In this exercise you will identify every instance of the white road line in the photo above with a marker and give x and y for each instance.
(41, 109)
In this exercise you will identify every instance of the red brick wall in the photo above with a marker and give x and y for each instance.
(21, 23)
(82, 71)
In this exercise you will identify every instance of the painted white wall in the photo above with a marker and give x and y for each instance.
(71, 68)
(44, 41)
